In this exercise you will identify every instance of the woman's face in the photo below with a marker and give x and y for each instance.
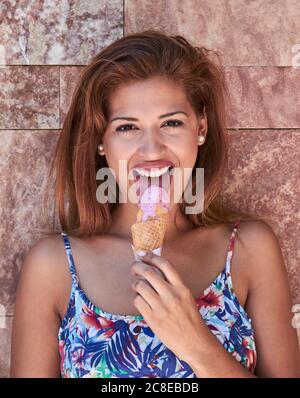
(142, 130)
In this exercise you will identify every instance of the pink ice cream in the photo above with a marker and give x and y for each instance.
(153, 199)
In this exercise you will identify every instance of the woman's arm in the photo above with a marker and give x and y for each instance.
(169, 309)
(34, 351)
(269, 306)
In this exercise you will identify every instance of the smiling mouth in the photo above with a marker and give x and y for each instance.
(153, 172)
(160, 177)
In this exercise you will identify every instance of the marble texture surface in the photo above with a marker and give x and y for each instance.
(57, 32)
(44, 46)
(69, 76)
(29, 97)
(24, 163)
(244, 32)
(263, 97)
(262, 166)
(5, 344)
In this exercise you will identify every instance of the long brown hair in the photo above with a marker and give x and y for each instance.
(132, 58)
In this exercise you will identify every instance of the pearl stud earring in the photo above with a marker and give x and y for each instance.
(201, 138)
(100, 148)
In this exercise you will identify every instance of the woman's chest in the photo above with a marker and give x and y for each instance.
(106, 279)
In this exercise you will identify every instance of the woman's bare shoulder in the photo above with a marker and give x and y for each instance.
(36, 311)
(258, 239)
(257, 244)
(46, 251)
(255, 230)
(44, 263)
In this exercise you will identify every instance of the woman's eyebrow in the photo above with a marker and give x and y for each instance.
(133, 119)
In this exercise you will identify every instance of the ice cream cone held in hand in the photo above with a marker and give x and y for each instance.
(152, 217)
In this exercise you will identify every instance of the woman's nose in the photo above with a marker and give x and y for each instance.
(152, 145)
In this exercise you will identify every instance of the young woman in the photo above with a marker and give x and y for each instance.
(216, 303)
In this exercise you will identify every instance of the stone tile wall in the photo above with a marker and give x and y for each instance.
(44, 46)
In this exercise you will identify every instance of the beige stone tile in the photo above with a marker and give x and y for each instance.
(59, 32)
(29, 97)
(69, 76)
(24, 162)
(260, 32)
(5, 345)
(263, 97)
(263, 178)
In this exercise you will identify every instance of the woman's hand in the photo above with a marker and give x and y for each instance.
(167, 305)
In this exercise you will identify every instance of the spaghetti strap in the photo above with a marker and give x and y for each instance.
(231, 249)
(70, 257)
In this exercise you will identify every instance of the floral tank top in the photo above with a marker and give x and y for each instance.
(95, 343)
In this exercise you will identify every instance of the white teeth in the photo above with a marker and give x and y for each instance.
(153, 173)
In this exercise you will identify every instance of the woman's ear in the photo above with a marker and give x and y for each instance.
(202, 127)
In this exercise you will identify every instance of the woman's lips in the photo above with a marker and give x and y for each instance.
(159, 164)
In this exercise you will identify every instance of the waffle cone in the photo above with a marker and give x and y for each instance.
(149, 235)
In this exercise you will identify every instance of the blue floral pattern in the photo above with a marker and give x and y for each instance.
(95, 343)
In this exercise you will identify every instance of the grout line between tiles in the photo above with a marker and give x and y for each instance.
(59, 96)
(36, 129)
(232, 129)
(46, 65)
(223, 65)
(123, 18)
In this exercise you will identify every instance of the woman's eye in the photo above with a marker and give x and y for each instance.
(120, 128)
(124, 125)
(175, 121)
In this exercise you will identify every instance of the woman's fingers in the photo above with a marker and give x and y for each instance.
(154, 276)
(165, 267)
